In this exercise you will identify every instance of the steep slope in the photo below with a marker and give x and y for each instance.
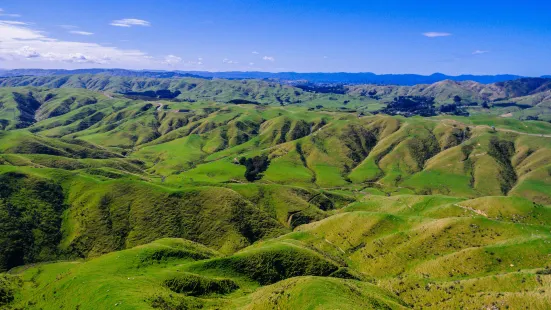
(106, 209)
(23, 107)
(30, 216)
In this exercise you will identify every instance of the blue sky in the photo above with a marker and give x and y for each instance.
(452, 37)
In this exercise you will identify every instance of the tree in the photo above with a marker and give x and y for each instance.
(255, 166)
(457, 99)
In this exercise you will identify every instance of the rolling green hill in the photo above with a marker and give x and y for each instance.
(244, 195)
(525, 98)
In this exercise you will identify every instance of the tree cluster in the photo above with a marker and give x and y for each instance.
(411, 105)
(454, 109)
(153, 95)
(255, 167)
(323, 88)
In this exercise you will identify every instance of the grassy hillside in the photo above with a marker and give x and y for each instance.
(396, 253)
(212, 204)
(524, 98)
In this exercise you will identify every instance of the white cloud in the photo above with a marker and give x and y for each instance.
(10, 15)
(27, 52)
(199, 62)
(478, 52)
(227, 61)
(23, 46)
(251, 64)
(129, 22)
(13, 22)
(82, 33)
(268, 58)
(172, 60)
(436, 34)
(255, 52)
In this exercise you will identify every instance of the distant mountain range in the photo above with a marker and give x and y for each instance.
(359, 78)
(314, 77)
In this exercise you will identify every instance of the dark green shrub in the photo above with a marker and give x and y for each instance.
(268, 266)
(196, 285)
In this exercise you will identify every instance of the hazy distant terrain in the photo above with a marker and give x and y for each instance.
(320, 77)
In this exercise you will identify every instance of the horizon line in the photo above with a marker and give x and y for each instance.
(280, 72)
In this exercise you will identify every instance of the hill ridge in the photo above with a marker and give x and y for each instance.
(315, 77)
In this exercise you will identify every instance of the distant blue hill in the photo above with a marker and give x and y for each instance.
(314, 77)
(358, 78)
